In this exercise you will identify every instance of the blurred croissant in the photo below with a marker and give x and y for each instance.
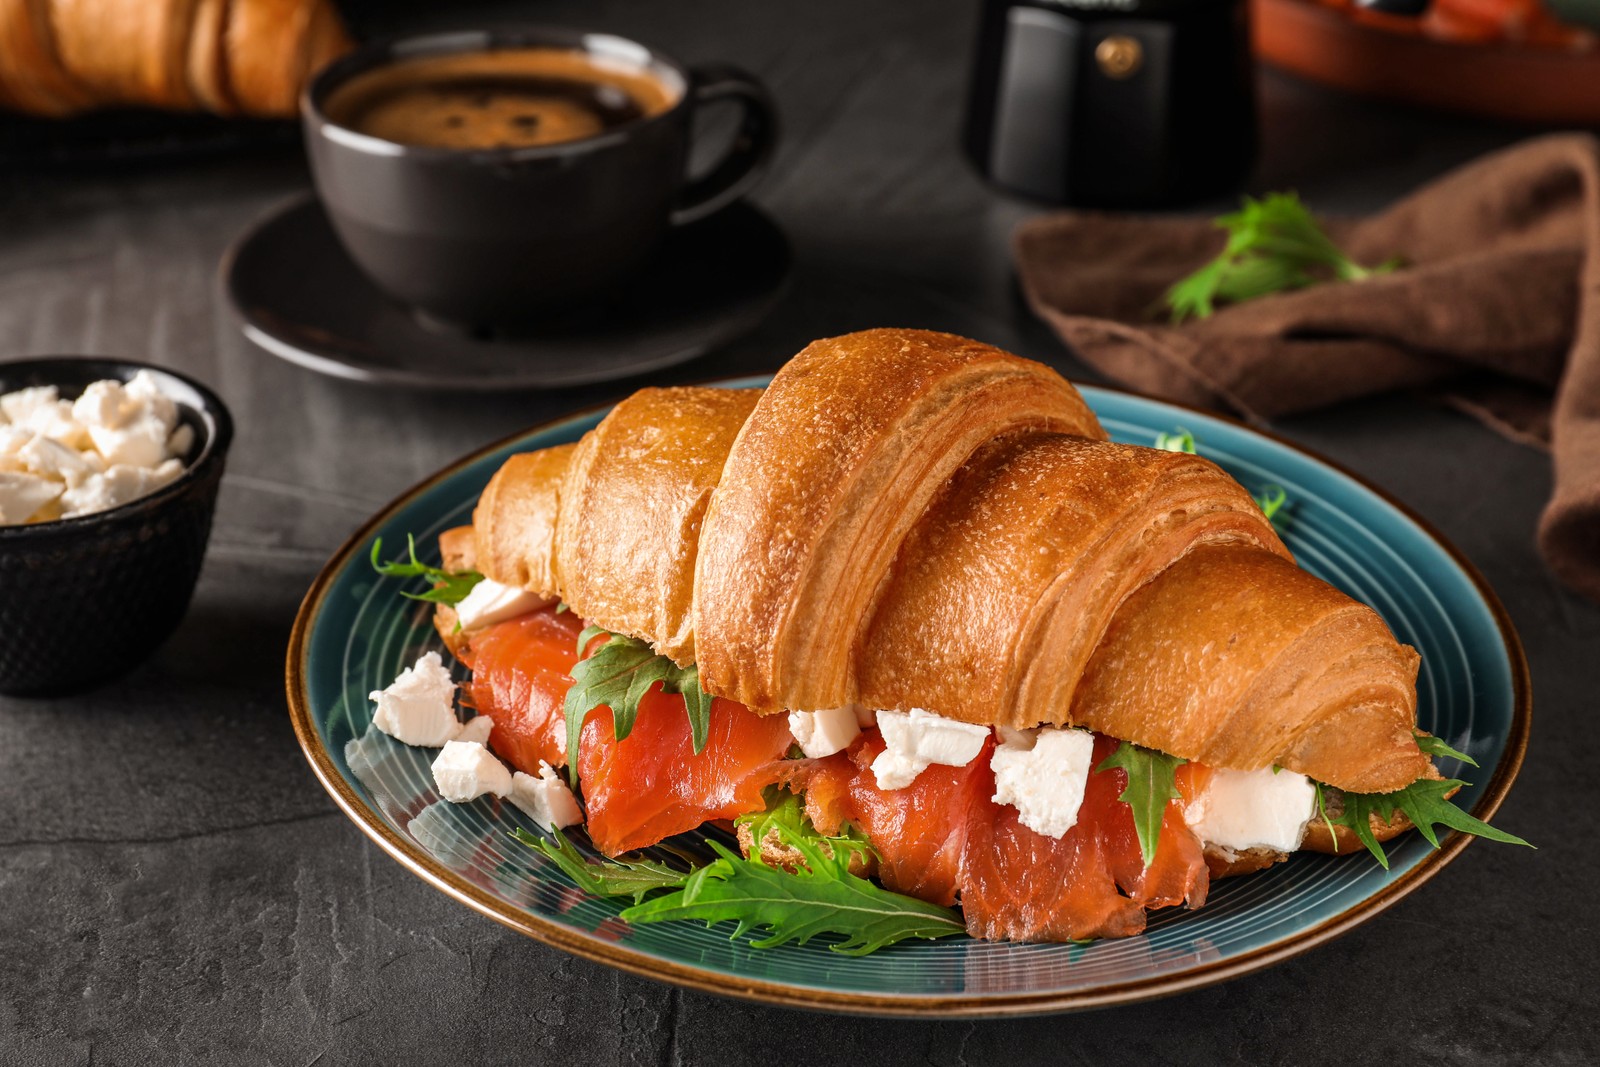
(229, 57)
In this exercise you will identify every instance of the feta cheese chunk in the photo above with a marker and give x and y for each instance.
(490, 602)
(1253, 809)
(1042, 773)
(13, 439)
(129, 425)
(112, 445)
(822, 733)
(918, 738)
(55, 421)
(52, 459)
(476, 729)
(19, 407)
(180, 442)
(117, 486)
(22, 495)
(139, 444)
(418, 707)
(545, 798)
(465, 770)
(144, 390)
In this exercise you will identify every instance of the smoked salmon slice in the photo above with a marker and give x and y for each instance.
(520, 676)
(1021, 885)
(652, 784)
(644, 788)
(918, 831)
(943, 836)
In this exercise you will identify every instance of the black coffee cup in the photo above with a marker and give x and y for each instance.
(495, 237)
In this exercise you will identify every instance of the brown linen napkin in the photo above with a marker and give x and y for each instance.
(1499, 304)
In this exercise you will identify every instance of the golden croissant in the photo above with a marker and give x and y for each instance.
(230, 57)
(936, 535)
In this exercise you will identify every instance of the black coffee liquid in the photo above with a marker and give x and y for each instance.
(502, 99)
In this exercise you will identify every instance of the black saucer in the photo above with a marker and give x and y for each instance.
(303, 300)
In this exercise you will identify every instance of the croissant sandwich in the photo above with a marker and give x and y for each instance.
(912, 584)
(229, 57)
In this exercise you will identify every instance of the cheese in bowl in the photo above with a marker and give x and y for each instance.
(61, 459)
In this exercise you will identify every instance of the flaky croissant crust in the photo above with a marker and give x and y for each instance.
(911, 519)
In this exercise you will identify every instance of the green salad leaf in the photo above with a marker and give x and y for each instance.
(1179, 440)
(609, 878)
(618, 674)
(1433, 746)
(821, 897)
(449, 587)
(1270, 500)
(1425, 802)
(1274, 244)
(1151, 783)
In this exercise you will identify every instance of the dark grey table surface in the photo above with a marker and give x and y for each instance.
(175, 887)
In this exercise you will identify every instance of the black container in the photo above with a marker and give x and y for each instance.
(499, 236)
(84, 600)
(1113, 103)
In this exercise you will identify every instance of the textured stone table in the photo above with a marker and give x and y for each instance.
(175, 888)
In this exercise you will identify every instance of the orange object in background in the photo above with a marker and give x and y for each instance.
(1501, 59)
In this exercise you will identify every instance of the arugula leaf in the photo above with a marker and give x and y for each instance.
(587, 634)
(618, 674)
(1179, 440)
(1274, 244)
(822, 897)
(1151, 783)
(785, 815)
(450, 587)
(1424, 802)
(608, 878)
(1271, 500)
(1433, 746)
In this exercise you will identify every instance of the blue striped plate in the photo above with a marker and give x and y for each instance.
(355, 632)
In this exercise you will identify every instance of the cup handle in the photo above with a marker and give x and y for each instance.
(746, 157)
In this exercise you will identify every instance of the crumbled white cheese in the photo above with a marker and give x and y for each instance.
(139, 444)
(130, 425)
(1253, 809)
(1042, 773)
(19, 407)
(418, 707)
(822, 733)
(918, 738)
(180, 442)
(476, 729)
(52, 459)
(145, 390)
(466, 770)
(490, 602)
(13, 438)
(112, 445)
(545, 798)
(54, 420)
(22, 495)
(117, 486)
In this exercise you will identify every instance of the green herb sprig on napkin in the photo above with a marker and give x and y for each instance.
(1274, 244)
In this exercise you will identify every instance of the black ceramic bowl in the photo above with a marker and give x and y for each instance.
(84, 600)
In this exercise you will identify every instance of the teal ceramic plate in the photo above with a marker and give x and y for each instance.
(355, 632)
